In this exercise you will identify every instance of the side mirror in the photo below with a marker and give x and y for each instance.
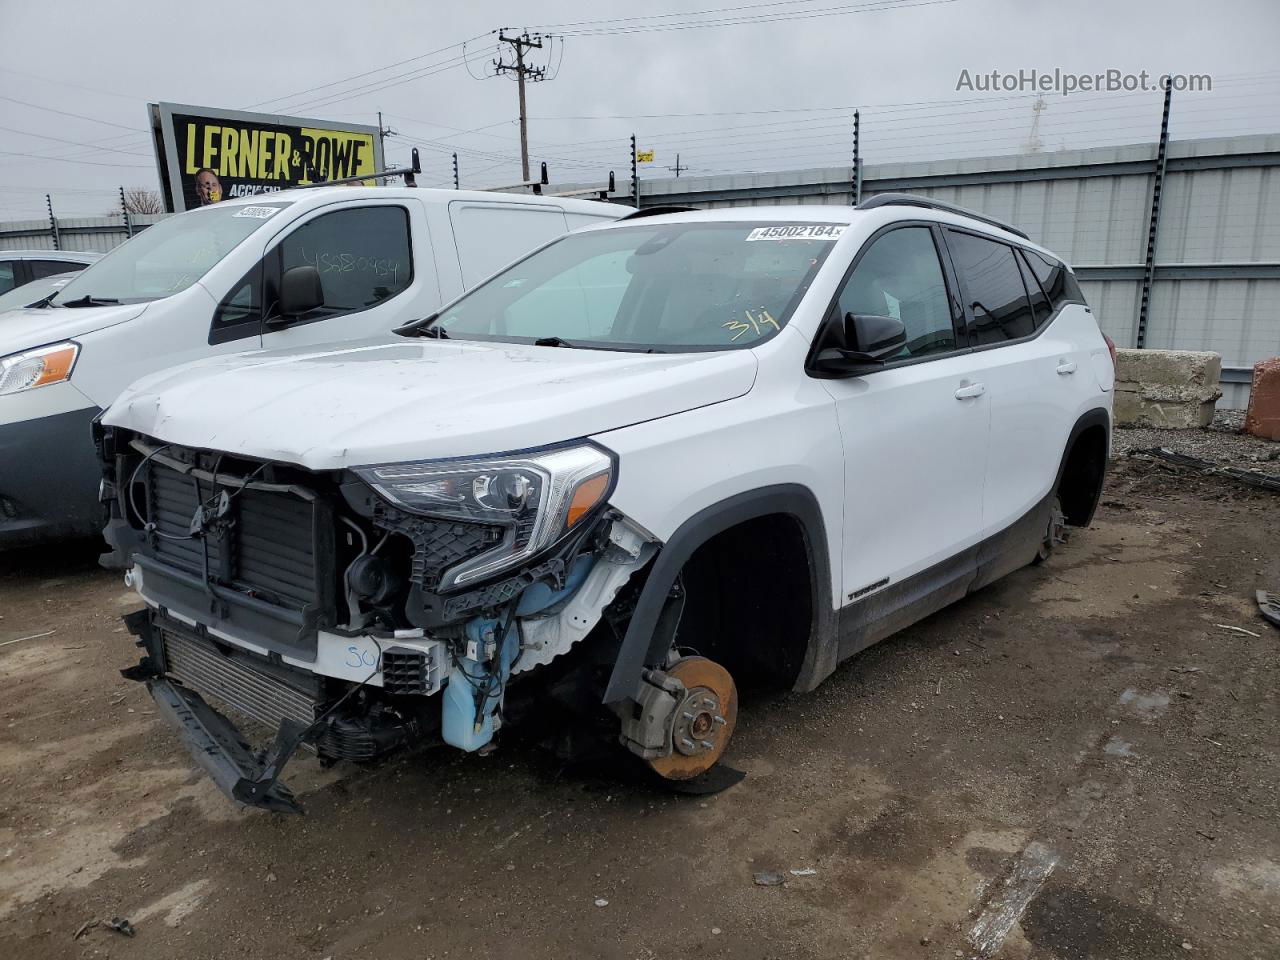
(300, 291)
(862, 342)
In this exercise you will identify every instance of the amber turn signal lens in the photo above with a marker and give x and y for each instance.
(57, 367)
(589, 493)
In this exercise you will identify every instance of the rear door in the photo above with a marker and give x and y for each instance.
(1033, 373)
(915, 431)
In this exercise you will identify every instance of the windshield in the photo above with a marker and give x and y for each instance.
(661, 286)
(168, 257)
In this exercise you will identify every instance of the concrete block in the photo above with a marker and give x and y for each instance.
(1173, 389)
(1263, 416)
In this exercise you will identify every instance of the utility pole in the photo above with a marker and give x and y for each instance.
(677, 168)
(456, 186)
(522, 71)
(383, 133)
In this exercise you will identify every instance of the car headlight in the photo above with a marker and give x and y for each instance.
(537, 497)
(37, 368)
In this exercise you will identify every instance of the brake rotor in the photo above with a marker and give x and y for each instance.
(704, 719)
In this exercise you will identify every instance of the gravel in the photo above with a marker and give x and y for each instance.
(1221, 442)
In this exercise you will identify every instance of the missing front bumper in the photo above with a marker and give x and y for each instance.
(183, 666)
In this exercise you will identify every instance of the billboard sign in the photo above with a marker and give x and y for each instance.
(206, 155)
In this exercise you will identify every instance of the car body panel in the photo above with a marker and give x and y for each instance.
(413, 399)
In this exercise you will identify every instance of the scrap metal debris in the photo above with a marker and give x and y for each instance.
(1263, 481)
(118, 924)
(121, 925)
(768, 878)
(1269, 605)
(34, 636)
(1227, 626)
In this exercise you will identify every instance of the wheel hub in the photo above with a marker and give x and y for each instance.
(704, 719)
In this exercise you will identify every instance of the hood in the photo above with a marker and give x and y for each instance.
(380, 402)
(24, 329)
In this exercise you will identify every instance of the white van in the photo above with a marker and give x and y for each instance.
(289, 269)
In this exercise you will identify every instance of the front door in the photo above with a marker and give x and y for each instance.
(370, 278)
(915, 432)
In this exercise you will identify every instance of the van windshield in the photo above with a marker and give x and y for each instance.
(656, 286)
(167, 257)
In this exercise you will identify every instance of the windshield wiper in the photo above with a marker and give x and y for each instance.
(558, 342)
(425, 327)
(88, 301)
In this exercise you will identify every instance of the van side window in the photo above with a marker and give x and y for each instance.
(363, 255)
(1058, 282)
(993, 287)
(52, 268)
(899, 276)
(8, 275)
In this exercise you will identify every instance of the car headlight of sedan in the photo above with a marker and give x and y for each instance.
(536, 497)
(37, 368)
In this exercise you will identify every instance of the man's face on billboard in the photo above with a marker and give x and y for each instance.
(208, 187)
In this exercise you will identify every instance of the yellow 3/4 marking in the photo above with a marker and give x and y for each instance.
(753, 323)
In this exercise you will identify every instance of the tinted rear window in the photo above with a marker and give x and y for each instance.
(993, 286)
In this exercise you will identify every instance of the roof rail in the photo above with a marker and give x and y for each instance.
(913, 200)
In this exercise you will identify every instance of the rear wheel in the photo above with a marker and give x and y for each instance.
(704, 719)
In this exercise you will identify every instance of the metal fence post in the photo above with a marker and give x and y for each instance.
(124, 209)
(53, 223)
(635, 175)
(1153, 224)
(857, 158)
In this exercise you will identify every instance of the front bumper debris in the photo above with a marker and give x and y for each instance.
(218, 747)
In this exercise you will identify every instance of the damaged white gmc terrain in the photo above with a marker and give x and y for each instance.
(649, 462)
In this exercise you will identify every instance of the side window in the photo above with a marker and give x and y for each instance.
(1041, 308)
(240, 312)
(1058, 282)
(992, 282)
(7, 279)
(899, 276)
(51, 268)
(363, 255)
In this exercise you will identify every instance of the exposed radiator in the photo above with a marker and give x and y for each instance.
(198, 665)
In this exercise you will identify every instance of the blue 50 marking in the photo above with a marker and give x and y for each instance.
(360, 658)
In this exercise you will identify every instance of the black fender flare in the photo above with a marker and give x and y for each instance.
(1097, 417)
(643, 645)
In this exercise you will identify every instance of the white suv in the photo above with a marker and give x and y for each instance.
(651, 461)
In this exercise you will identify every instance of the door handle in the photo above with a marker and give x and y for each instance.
(970, 390)
(1066, 366)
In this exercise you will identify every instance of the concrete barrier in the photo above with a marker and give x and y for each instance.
(1263, 418)
(1174, 389)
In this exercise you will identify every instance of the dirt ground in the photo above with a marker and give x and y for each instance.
(1082, 761)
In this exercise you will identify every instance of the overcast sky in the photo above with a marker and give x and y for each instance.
(767, 95)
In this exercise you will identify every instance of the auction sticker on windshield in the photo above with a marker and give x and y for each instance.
(801, 231)
(258, 213)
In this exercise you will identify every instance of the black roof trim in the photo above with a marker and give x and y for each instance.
(913, 200)
(656, 212)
